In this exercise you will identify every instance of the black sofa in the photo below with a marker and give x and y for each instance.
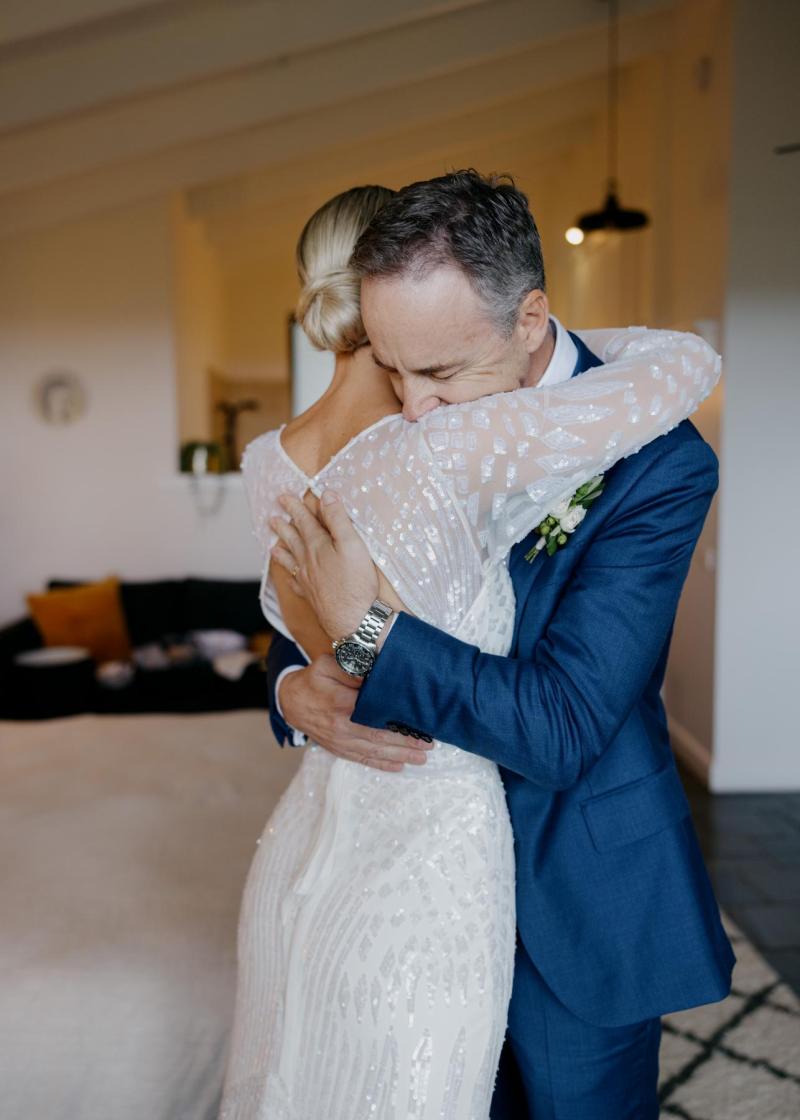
(155, 611)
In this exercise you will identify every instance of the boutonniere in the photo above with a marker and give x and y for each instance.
(555, 530)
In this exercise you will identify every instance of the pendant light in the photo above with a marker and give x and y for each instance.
(612, 216)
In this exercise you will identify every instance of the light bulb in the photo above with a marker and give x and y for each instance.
(574, 235)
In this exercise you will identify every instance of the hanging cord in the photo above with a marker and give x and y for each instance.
(613, 56)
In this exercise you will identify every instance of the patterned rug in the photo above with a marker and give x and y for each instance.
(738, 1059)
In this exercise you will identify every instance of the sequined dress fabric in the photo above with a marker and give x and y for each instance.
(377, 929)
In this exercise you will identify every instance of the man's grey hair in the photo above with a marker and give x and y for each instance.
(480, 224)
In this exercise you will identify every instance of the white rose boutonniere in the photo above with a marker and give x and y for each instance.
(556, 528)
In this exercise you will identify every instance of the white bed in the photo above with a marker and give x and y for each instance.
(124, 845)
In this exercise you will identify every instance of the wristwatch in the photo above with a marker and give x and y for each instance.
(356, 653)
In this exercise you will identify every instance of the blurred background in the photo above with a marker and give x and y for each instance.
(158, 159)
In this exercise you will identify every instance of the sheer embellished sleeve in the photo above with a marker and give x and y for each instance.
(256, 478)
(266, 473)
(512, 457)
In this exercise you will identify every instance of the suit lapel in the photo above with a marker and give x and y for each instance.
(524, 573)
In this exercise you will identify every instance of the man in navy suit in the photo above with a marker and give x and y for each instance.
(617, 922)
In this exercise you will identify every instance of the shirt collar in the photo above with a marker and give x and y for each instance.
(564, 357)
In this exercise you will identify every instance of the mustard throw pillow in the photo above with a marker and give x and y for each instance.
(260, 642)
(90, 616)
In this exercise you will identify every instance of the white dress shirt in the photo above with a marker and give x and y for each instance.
(564, 356)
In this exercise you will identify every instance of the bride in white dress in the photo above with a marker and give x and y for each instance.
(377, 930)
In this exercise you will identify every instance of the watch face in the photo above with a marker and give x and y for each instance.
(354, 658)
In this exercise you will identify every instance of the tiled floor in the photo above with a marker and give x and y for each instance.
(751, 844)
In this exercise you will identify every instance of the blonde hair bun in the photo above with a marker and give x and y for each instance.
(329, 307)
(329, 311)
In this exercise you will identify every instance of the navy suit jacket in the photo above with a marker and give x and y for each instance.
(614, 904)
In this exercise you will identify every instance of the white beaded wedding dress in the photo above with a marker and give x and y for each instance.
(377, 930)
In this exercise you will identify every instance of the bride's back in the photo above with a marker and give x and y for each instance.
(329, 312)
(359, 395)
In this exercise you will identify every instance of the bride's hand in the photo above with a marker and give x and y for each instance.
(329, 563)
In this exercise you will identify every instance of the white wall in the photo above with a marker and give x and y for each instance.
(691, 244)
(757, 742)
(102, 494)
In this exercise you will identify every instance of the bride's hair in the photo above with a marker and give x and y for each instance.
(329, 307)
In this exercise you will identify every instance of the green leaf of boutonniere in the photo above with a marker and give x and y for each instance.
(556, 529)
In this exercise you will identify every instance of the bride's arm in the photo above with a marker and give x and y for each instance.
(512, 457)
(551, 710)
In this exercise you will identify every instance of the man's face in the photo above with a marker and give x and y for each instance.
(438, 344)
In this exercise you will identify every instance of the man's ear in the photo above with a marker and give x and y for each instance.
(534, 319)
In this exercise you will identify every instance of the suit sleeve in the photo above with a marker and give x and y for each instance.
(283, 654)
(551, 715)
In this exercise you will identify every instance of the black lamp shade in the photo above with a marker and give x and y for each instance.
(612, 217)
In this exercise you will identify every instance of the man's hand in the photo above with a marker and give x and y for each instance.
(319, 701)
(329, 563)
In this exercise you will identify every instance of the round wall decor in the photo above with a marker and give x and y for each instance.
(60, 397)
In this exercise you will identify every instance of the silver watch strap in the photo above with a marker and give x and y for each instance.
(373, 622)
